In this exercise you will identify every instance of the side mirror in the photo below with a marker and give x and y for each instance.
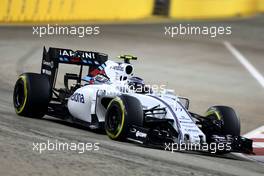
(185, 102)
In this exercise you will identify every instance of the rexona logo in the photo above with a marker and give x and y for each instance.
(82, 54)
(77, 97)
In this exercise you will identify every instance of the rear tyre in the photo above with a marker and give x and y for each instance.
(122, 112)
(231, 122)
(31, 95)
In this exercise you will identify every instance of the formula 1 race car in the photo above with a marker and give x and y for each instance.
(108, 96)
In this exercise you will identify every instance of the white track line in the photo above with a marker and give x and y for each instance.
(253, 133)
(251, 69)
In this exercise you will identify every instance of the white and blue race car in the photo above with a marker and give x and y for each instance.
(110, 98)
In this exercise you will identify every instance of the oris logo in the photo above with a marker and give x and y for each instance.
(77, 97)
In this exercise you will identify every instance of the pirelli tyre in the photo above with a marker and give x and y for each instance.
(122, 112)
(31, 95)
(231, 122)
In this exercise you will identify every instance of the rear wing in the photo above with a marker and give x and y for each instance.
(55, 56)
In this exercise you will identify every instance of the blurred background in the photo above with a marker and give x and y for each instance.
(35, 11)
(31, 11)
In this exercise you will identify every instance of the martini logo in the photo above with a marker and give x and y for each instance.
(80, 54)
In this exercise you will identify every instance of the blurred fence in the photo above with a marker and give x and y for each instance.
(112, 10)
(204, 9)
(260, 5)
(73, 10)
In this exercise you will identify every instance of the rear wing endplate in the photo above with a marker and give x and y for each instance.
(54, 56)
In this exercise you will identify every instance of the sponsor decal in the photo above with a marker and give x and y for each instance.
(140, 134)
(118, 68)
(189, 122)
(192, 130)
(80, 54)
(183, 117)
(188, 126)
(178, 109)
(47, 72)
(50, 64)
(78, 97)
(78, 57)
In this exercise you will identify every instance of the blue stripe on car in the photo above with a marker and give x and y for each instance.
(172, 112)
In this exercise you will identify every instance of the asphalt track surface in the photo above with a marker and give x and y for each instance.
(198, 67)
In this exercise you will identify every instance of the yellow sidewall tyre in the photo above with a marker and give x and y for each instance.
(31, 95)
(231, 122)
(122, 112)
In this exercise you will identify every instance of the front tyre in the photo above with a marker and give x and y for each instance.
(231, 122)
(122, 112)
(31, 95)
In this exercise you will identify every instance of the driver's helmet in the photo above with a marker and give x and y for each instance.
(137, 85)
(98, 79)
(96, 75)
(101, 79)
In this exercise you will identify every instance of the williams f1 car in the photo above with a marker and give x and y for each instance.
(106, 95)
